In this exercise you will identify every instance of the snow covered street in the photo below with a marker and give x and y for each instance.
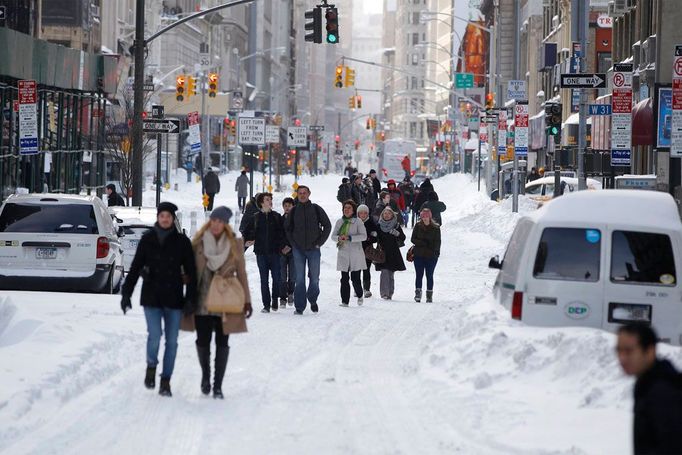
(455, 376)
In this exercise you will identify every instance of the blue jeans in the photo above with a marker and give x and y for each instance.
(288, 275)
(421, 265)
(268, 265)
(312, 258)
(171, 323)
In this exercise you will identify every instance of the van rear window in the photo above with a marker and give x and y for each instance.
(642, 257)
(44, 218)
(568, 254)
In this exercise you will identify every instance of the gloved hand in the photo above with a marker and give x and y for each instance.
(188, 307)
(248, 310)
(395, 232)
(126, 304)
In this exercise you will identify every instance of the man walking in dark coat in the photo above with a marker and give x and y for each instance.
(345, 190)
(165, 261)
(658, 391)
(113, 198)
(241, 186)
(211, 187)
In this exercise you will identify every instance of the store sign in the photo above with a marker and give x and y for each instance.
(604, 21)
(621, 115)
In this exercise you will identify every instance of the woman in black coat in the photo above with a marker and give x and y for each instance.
(372, 233)
(391, 238)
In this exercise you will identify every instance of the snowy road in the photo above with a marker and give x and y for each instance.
(456, 376)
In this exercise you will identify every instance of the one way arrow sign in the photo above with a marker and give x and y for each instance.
(583, 80)
(161, 126)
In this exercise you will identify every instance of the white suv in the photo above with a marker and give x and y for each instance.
(57, 242)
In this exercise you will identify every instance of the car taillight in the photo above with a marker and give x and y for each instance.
(102, 247)
(517, 306)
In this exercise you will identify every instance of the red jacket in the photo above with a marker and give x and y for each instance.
(396, 194)
(406, 164)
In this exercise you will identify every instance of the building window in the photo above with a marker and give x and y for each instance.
(415, 39)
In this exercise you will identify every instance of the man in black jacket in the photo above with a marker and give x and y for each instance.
(376, 183)
(658, 391)
(307, 228)
(113, 198)
(165, 260)
(211, 187)
(266, 233)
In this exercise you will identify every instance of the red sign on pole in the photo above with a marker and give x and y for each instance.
(28, 92)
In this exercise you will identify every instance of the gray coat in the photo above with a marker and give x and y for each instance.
(351, 256)
(242, 186)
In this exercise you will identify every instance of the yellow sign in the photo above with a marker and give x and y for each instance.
(295, 186)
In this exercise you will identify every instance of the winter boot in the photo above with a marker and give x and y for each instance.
(275, 304)
(343, 304)
(360, 301)
(150, 378)
(290, 299)
(417, 295)
(221, 355)
(204, 353)
(429, 296)
(283, 302)
(164, 387)
(314, 308)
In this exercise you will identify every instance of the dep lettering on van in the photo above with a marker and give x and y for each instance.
(577, 310)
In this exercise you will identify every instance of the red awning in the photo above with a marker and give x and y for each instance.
(643, 123)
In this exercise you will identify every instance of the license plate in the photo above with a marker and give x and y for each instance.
(46, 253)
(629, 312)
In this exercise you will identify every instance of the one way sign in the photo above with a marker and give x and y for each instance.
(583, 80)
(161, 126)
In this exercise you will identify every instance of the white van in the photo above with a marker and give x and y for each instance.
(596, 259)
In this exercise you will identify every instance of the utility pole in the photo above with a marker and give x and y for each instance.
(581, 18)
(517, 67)
(138, 104)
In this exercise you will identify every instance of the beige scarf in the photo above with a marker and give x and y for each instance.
(215, 251)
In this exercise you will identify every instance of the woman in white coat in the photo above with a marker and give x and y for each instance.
(349, 233)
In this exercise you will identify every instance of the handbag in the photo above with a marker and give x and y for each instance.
(410, 254)
(225, 295)
(376, 255)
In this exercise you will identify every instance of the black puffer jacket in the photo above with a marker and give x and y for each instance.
(211, 183)
(162, 265)
(267, 231)
(389, 242)
(307, 226)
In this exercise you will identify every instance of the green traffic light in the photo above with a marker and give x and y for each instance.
(332, 38)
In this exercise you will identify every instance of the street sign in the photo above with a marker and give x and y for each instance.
(297, 136)
(599, 109)
(489, 119)
(676, 132)
(205, 59)
(595, 80)
(317, 128)
(521, 129)
(28, 118)
(502, 133)
(464, 80)
(194, 137)
(251, 131)
(164, 126)
(158, 111)
(272, 134)
(3, 13)
(516, 90)
(621, 117)
(148, 87)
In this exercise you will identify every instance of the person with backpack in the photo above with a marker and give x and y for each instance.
(426, 250)
(286, 261)
(307, 228)
(349, 233)
(372, 233)
(435, 206)
(266, 234)
(345, 190)
(391, 238)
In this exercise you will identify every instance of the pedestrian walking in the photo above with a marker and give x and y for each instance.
(376, 183)
(658, 391)
(165, 260)
(384, 201)
(424, 190)
(349, 233)
(218, 255)
(241, 186)
(113, 198)
(435, 206)
(406, 165)
(371, 229)
(249, 211)
(391, 238)
(307, 228)
(407, 188)
(371, 196)
(286, 261)
(358, 191)
(426, 250)
(396, 195)
(534, 175)
(349, 170)
(211, 187)
(266, 234)
(345, 190)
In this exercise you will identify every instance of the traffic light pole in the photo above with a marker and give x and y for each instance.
(581, 9)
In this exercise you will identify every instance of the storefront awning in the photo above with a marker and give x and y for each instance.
(643, 123)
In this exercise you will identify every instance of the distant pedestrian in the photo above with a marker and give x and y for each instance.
(658, 391)
(345, 190)
(266, 233)
(435, 206)
(424, 190)
(533, 175)
(307, 228)
(426, 241)
(384, 201)
(358, 190)
(376, 183)
(391, 238)
(396, 195)
(218, 253)
(113, 198)
(241, 186)
(372, 234)
(349, 170)
(407, 188)
(211, 187)
(349, 233)
(371, 196)
(406, 165)
(286, 261)
(165, 260)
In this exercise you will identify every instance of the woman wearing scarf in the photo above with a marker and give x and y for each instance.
(371, 228)
(217, 251)
(426, 240)
(391, 238)
(349, 233)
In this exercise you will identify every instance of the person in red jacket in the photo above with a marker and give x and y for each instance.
(396, 194)
(407, 166)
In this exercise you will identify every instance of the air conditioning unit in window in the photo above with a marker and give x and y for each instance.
(636, 54)
(620, 7)
(649, 51)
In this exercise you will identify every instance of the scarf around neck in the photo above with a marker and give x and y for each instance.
(388, 226)
(345, 227)
(215, 251)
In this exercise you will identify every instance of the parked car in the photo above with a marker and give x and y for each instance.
(542, 189)
(57, 242)
(596, 259)
(132, 223)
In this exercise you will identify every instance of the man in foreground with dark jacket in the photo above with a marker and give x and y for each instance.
(165, 261)
(658, 391)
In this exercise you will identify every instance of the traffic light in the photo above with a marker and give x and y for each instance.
(490, 101)
(553, 118)
(180, 88)
(212, 85)
(191, 86)
(313, 24)
(369, 124)
(358, 101)
(339, 77)
(332, 16)
(350, 77)
(351, 102)
(233, 128)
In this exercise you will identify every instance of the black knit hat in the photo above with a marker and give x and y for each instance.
(167, 207)
(221, 213)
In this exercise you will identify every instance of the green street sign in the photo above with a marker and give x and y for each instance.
(464, 80)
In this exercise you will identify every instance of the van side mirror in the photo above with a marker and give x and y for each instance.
(495, 263)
